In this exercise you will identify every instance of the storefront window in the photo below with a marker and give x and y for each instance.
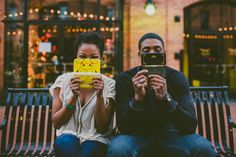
(50, 29)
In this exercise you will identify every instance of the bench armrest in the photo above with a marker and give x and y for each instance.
(231, 123)
(3, 124)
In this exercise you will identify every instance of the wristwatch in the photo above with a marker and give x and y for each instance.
(167, 98)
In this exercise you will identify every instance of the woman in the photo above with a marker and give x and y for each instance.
(83, 117)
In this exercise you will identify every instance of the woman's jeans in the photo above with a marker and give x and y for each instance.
(68, 145)
(177, 146)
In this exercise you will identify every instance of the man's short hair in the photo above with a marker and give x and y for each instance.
(90, 38)
(150, 36)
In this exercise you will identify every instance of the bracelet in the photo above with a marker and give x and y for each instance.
(69, 106)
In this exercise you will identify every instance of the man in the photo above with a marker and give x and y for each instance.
(155, 115)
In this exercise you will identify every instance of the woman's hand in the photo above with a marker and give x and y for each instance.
(98, 85)
(75, 86)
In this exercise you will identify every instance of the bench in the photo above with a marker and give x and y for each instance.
(214, 118)
(27, 128)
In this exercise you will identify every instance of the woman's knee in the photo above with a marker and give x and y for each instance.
(67, 144)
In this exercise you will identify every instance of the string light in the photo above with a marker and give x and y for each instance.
(72, 13)
(85, 15)
(66, 13)
(91, 16)
(51, 11)
(94, 28)
(8, 33)
(101, 17)
(78, 14)
(220, 29)
(31, 11)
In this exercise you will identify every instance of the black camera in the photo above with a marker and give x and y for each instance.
(154, 63)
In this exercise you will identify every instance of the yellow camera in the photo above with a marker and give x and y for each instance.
(86, 70)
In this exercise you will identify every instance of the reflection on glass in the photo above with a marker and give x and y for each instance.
(14, 55)
(43, 56)
(14, 10)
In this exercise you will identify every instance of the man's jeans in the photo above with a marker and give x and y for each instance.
(177, 146)
(68, 145)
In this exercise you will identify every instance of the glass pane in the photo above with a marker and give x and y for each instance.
(110, 10)
(43, 55)
(58, 9)
(14, 9)
(109, 31)
(14, 57)
(70, 33)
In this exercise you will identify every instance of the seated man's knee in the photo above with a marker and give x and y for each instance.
(203, 148)
(125, 145)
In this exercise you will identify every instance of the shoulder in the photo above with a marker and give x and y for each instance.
(176, 81)
(174, 75)
(107, 80)
(65, 76)
(129, 74)
(61, 81)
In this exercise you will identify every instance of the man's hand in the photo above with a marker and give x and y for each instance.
(140, 84)
(159, 86)
(98, 85)
(74, 86)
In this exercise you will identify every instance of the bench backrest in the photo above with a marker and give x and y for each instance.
(29, 128)
(213, 114)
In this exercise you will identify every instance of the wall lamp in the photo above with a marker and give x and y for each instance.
(150, 8)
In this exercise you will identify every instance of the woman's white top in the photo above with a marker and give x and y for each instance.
(82, 122)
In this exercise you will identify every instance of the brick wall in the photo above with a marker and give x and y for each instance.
(161, 23)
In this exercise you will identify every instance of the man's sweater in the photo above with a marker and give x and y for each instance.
(153, 117)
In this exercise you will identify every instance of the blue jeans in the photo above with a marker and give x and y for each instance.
(176, 146)
(68, 145)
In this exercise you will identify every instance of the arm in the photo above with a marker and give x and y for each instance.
(185, 111)
(180, 108)
(103, 115)
(103, 112)
(130, 113)
(60, 114)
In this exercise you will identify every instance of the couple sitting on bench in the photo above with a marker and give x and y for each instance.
(155, 114)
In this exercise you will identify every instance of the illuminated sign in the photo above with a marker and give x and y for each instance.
(232, 51)
(205, 52)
